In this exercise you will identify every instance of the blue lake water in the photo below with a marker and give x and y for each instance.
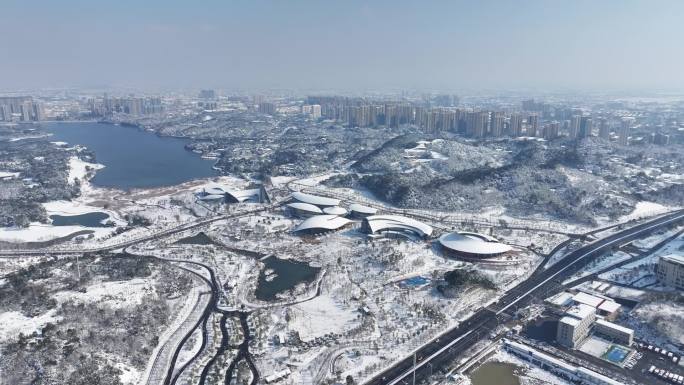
(133, 158)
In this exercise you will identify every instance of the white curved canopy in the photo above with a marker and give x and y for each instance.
(315, 199)
(355, 207)
(473, 243)
(212, 197)
(307, 207)
(335, 210)
(378, 223)
(214, 190)
(323, 223)
(244, 195)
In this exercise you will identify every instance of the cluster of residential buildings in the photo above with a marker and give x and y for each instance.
(132, 105)
(20, 109)
(533, 120)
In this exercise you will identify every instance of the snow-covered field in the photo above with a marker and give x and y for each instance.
(320, 316)
(600, 263)
(13, 323)
(114, 294)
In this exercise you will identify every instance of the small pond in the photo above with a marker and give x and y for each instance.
(281, 275)
(94, 219)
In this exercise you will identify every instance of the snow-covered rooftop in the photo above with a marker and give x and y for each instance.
(609, 306)
(315, 199)
(307, 207)
(587, 299)
(674, 258)
(377, 223)
(614, 326)
(244, 195)
(322, 222)
(355, 207)
(473, 243)
(581, 311)
(335, 210)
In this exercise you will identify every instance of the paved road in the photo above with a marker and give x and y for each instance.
(542, 283)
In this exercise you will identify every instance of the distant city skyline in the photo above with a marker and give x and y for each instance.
(352, 45)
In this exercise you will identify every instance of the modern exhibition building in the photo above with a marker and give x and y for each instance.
(303, 210)
(218, 194)
(472, 246)
(335, 210)
(359, 211)
(320, 224)
(315, 200)
(395, 225)
(255, 195)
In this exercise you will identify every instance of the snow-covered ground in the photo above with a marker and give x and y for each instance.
(600, 263)
(42, 232)
(80, 169)
(660, 322)
(14, 323)
(641, 272)
(320, 316)
(653, 240)
(115, 294)
(644, 210)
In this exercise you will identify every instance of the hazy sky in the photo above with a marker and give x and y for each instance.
(343, 44)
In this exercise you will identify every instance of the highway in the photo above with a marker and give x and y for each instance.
(543, 283)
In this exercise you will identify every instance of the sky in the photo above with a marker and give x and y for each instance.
(348, 45)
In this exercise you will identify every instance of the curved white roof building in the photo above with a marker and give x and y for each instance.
(212, 197)
(335, 210)
(472, 245)
(255, 195)
(240, 196)
(321, 224)
(395, 224)
(214, 190)
(315, 199)
(361, 211)
(304, 209)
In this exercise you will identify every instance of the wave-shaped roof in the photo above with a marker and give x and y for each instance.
(335, 210)
(315, 199)
(378, 223)
(322, 222)
(212, 197)
(301, 206)
(214, 190)
(473, 243)
(362, 209)
(244, 195)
